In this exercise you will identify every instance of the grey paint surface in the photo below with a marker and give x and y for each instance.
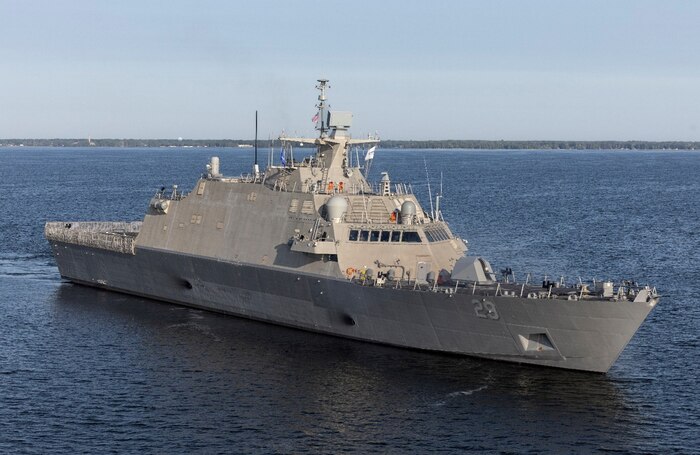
(588, 335)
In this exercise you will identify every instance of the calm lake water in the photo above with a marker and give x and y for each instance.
(84, 370)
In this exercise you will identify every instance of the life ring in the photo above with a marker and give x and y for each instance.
(350, 272)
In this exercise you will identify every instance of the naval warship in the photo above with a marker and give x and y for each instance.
(312, 244)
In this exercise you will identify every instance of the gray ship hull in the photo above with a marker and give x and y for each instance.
(557, 333)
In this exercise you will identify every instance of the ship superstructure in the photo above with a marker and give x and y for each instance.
(312, 244)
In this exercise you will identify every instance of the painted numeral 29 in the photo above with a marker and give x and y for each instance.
(485, 309)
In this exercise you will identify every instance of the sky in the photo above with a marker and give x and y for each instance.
(511, 70)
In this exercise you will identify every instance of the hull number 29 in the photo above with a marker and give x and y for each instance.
(485, 309)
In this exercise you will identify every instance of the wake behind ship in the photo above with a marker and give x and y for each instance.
(312, 244)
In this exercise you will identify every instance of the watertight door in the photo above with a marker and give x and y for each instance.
(422, 270)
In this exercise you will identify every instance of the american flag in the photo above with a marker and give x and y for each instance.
(315, 118)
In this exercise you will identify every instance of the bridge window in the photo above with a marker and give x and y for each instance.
(364, 236)
(354, 234)
(396, 236)
(385, 236)
(411, 237)
(436, 234)
(374, 236)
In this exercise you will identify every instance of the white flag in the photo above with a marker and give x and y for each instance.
(370, 153)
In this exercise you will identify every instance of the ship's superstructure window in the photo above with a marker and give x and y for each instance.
(384, 236)
(436, 234)
(411, 237)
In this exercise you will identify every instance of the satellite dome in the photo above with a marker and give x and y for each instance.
(336, 208)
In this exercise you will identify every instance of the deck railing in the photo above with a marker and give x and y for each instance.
(116, 236)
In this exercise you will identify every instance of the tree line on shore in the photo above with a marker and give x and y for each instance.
(395, 144)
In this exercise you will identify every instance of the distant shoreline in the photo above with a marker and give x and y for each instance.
(386, 144)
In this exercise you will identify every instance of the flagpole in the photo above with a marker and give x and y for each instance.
(256, 168)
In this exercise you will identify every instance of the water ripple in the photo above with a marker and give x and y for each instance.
(88, 371)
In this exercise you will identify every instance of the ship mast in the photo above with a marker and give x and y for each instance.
(322, 114)
(330, 165)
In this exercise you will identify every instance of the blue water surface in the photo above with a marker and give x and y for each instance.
(84, 370)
